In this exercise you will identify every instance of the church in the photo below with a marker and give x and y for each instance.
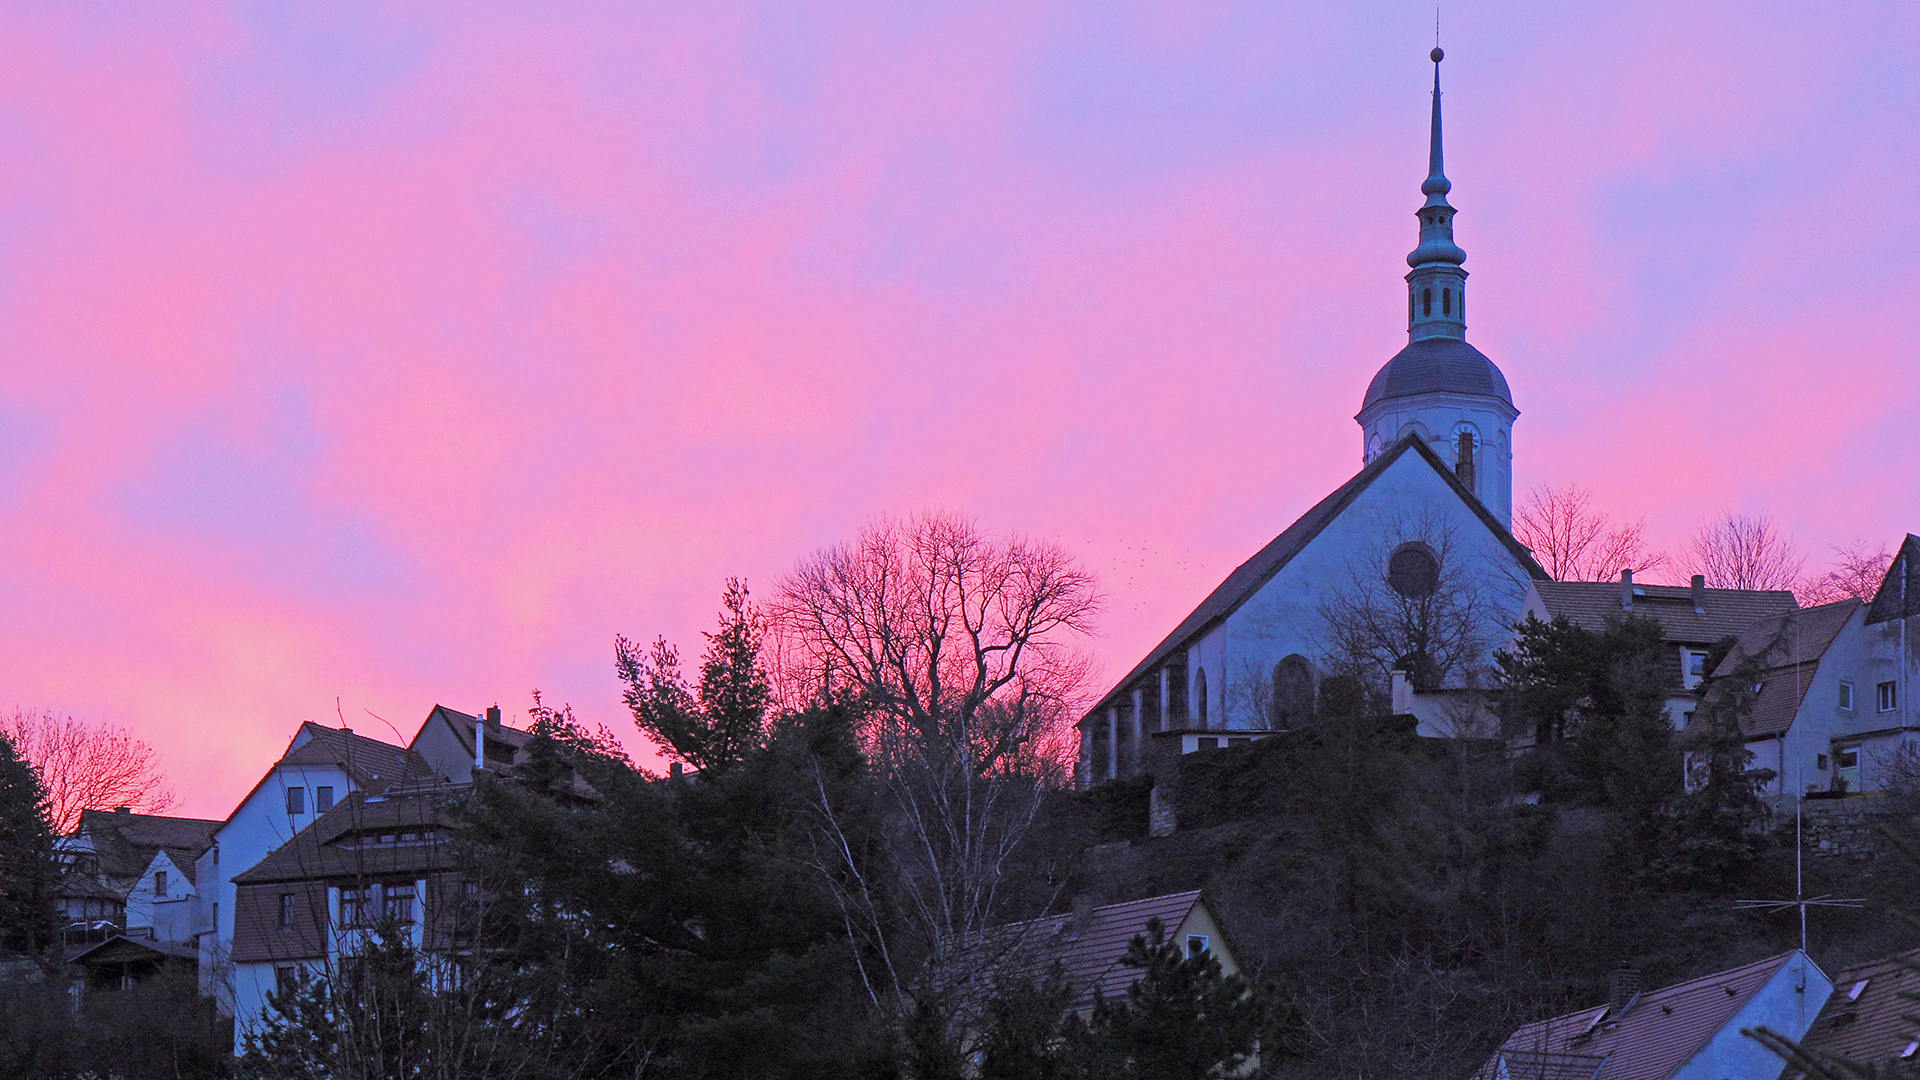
(1405, 576)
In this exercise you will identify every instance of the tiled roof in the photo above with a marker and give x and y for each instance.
(371, 763)
(1657, 1034)
(1249, 576)
(1899, 594)
(1791, 646)
(1592, 604)
(1520, 1065)
(344, 841)
(1090, 956)
(124, 844)
(1880, 1022)
(498, 734)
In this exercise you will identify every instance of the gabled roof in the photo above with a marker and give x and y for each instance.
(348, 842)
(1791, 646)
(124, 844)
(370, 763)
(1659, 1032)
(1877, 1023)
(1249, 576)
(1899, 594)
(1089, 952)
(120, 949)
(499, 735)
(1591, 604)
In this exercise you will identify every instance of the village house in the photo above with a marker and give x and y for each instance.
(1689, 1031)
(128, 891)
(1090, 943)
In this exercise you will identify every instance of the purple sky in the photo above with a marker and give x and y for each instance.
(403, 355)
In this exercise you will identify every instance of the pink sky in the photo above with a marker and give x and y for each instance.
(403, 355)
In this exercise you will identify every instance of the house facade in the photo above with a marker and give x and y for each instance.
(376, 862)
(321, 767)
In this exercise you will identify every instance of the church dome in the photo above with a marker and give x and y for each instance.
(1438, 365)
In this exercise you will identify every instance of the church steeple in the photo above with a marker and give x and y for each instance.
(1436, 287)
(1439, 387)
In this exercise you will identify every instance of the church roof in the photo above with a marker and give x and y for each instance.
(1438, 365)
(1249, 576)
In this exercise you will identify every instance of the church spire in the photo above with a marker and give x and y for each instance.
(1437, 287)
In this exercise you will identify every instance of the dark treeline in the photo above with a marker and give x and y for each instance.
(801, 905)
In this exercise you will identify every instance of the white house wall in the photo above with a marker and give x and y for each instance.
(170, 916)
(1283, 616)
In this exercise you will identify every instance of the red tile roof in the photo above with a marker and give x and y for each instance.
(1879, 1022)
(1659, 1032)
(1090, 953)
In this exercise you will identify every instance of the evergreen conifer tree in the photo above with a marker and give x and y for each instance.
(29, 875)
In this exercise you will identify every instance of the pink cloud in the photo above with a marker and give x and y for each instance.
(400, 356)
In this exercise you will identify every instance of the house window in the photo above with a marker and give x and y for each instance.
(1846, 695)
(1210, 742)
(1820, 762)
(296, 800)
(1846, 763)
(322, 799)
(1887, 695)
(1693, 667)
(285, 980)
(1196, 944)
(286, 910)
(396, 901)
(353, 906)
(159, 883)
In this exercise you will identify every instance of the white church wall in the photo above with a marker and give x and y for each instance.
(1283, 616)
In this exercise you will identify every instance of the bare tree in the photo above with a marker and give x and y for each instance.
(1744, 551)
(939, 628)
(87, 766)
(962, 653)
(1419, 601)
(1575, 542)
(1855, 574)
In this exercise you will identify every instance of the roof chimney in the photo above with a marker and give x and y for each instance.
(493, 715)
(479, 743)
(676, 770)
(1626, 590)
(1082, 916)
(1699, 594)
(1623, 987)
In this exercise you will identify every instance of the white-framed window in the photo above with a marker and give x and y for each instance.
(1846, 765)
(1693, 667)
(353, 905)
(1887, 696)
(1846, 695)
(396, 901)
(285, 979)
(1196, 944)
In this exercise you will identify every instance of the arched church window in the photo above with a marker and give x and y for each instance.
(1426, 301)
(1200, 687)
(1413, 571)
(1446, 301)
(1292, 703)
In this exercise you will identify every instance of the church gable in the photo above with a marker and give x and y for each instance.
(1271, 601)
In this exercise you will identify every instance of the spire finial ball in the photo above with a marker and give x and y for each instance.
(1437, 54)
